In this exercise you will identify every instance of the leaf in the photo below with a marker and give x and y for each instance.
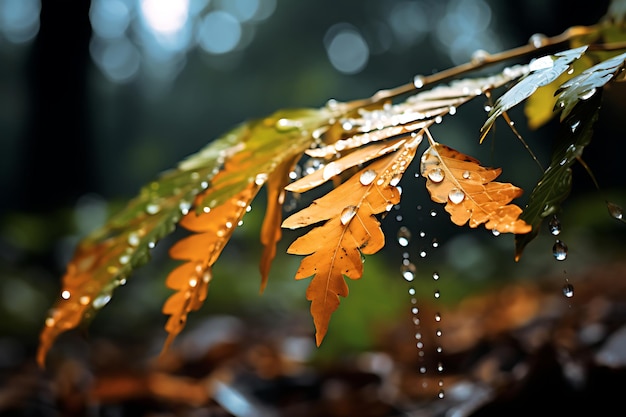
(223, 169)
(583, 86)
(469, 192)
(334, 249)
(554, 186)
(543, 71)
(200, 250)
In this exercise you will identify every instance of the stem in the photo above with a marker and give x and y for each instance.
(421, 81)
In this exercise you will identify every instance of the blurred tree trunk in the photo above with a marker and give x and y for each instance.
(56, 153)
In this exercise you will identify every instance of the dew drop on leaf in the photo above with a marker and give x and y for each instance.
(260, 178)
(559, 250)
(456, 196)
(466, 175)
(436, 175)
(554, 226)
(347, 214)
(101, 300)
(152, 208)
(330, 170)
(404, 236)
(568, 290)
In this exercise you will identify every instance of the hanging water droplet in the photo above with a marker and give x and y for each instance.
(436, 175)
(440, 367)
(456, 196)
(437, 294)
(415, 310)
(568, 290)
(347, 214)
(423, 254)
(330, 170)
(495, 232)
(184, 207)
(404, 236)
(408, 271)
(411, 291)
(437, 317)
(133, 239)
(435, 243)
(451, 110)
(615, 211)
(367, 177)
(559, 250)
(433, 213)
(418, 335)
(438, 333)
(418, 81)
(441, 394)
(554, 226)
(435, 276)
(65, 295)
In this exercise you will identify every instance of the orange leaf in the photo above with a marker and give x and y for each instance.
(469, 191)
(334, 249)
(201, 250)
(270, 230)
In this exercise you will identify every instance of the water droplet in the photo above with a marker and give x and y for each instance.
(408, 271)
(133, 239)
(438, 332)
(395, 180)
(65, 295)
(538, 40)
(193, 282)
(423, 254)
(435, 276)
(575, 125)
(588, 94)
(435, 243)
(415, 310)
(418, 81)
(437, 317)
(330, 170)
(84, 300)
(124, 259)
(367, 177)
(260, 178)
(615, 211)
(404, 236)
(422, 369)
(467, 175)
(437, 294)
(568, 290)
(101, 300)
(479, 57)
(441, 394)
(452, 110)
(440, 367)
(436, 175)
(495, 232)
(184, 207)
(287, 124)
(554, 226)
(347, 214)
(153, 208)
(456, 196)
(542, 63)
(559, 250)
(433, 213)
(418, 335)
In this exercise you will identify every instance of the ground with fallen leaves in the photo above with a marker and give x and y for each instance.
(518, 349)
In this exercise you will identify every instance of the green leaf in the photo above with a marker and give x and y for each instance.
(543, 71)
(555, 185)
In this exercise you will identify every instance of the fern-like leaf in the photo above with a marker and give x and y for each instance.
(351, 229)
(469, 191)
